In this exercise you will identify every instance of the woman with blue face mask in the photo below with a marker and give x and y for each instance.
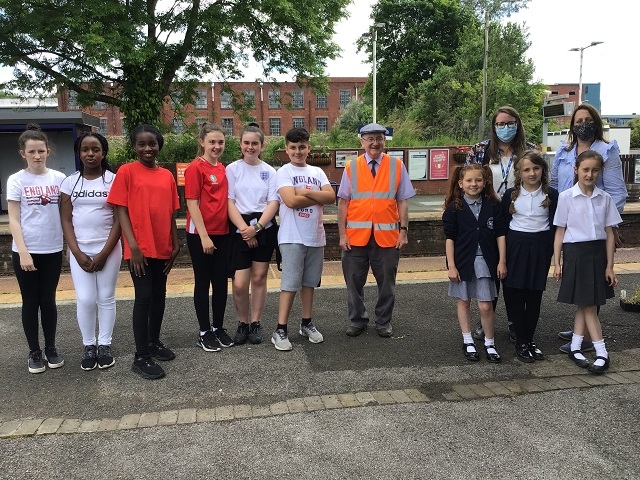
(500, 151)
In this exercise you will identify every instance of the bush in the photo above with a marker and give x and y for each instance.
(269, 153)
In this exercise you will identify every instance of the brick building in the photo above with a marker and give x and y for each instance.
(275, 107)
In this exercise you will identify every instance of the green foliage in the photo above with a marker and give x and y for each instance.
(635, 132)
(138, 54)
(232, 150)
(269, 153)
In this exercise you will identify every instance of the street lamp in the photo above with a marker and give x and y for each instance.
(581, 50)
(374, 36)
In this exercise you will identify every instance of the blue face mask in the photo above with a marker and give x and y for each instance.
(506, 133)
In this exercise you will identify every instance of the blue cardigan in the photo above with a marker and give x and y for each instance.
(467, 233)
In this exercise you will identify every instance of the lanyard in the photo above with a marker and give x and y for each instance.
(505, 174)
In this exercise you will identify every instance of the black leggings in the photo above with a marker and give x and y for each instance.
(210, 270)
(523, 309)
(38, 290)
(148, 307)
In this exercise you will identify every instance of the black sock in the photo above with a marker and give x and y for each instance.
(306, 321)
(282, 327)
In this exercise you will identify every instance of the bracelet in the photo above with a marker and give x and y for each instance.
(260, 225)
(404, 228)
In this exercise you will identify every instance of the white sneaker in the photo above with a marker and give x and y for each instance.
(280, 340)
(311, 332)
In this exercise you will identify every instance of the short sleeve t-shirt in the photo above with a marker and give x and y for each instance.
(208, 184)
(251, 186)
(151, 196)
(92, 216)
(39, 198)
(301, 225)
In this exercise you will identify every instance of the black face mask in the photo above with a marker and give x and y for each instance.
(584, 131)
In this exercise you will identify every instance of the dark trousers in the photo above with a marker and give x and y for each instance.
(38, 290)
(210, 270)
(523, 309)
(148, 307)
(384, 266)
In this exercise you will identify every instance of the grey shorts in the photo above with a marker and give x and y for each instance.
(301, 266)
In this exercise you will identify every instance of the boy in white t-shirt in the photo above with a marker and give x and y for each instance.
(303, 191)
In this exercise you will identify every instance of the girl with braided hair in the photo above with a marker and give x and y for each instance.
(529, 209)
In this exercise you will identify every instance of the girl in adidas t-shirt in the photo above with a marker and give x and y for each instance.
(92, 232)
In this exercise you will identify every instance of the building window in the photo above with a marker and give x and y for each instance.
(298, 122)
(554, 92)
(100, 105)
(321, 101)
(227, 125)
(201, 121)
(225, 100)
(297, 99)
(177, 126)
(73, 100)
(249, 99)
(274, 127)
(274, 99)
(572, 92)
(345, 96)
(122, 127)
(201, 99)
(102, 130)
(322, 124)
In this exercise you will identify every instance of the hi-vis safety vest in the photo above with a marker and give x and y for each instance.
(373, 204)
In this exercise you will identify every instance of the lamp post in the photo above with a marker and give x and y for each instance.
(374, 36)
(581, 50)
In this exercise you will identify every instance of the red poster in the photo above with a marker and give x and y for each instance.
(439, 164)
(180, 168)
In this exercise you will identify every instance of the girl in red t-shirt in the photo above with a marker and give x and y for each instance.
(207, 230)
(146, 198)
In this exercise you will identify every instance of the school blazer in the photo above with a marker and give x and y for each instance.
(467, 233)
(553, 196)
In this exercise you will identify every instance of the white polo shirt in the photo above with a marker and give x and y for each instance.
(530, 216)
(585, 218)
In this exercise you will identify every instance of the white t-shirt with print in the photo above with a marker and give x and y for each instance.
(91, 214)
(251, 186)
(39, 197)
(301, 225)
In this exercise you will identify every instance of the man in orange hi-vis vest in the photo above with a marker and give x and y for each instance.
(373, 222)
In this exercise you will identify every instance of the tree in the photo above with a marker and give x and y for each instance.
(635, 132)
(135, 54)
(418, 36)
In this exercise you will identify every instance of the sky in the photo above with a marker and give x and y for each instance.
(554, 26)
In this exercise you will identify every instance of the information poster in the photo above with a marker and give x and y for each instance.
(637, 172)
(342, 157)
(396, 154)
(180, 168)
(418, 164)
(439, 164)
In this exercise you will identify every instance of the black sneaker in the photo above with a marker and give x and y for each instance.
(54, 359)
(36, 364)
(105, 356)
(255, 333)
(89, 357)
(223, 338)
(146, 367)
(158, 351)
(208, 342)
(242, 333)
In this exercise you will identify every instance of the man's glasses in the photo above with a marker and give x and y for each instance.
(378, 138)
(505, 124)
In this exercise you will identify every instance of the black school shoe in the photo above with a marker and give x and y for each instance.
(599, 369)
(524, 354)
(160, 352)
(146, 367)
(471, 356)
(492, 357)
(536, 353)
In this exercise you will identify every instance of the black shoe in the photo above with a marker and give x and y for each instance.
(242, 333)
(523, 353)
(471, 356)
(582, 363)
(36, 364)
(223, 339)
(54, 359)
(478, 334)
(158, 351)
(599, 369)
(208, 342)
(355, 330)
(89, 358)
(255, 333)
(385, 331)
(536, 353)
(147, 368)
(492, 357)
(512, 334)
(105, 357)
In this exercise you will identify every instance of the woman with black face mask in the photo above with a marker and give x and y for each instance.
(586, 133)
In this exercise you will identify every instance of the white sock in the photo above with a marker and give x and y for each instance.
(601, 351)
(490, 344)
(202, 333)
(213, 329)
(576, 344)
(467, 338)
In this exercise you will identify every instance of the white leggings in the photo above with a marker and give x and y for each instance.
(96, 290)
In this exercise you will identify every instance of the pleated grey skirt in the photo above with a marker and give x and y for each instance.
(583, 274)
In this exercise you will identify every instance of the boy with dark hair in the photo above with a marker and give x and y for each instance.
(303, 191)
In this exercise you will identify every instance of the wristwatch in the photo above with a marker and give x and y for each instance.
(404, 228)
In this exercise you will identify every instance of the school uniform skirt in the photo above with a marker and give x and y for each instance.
(583, 274)
(528, 260)
(482, 287)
